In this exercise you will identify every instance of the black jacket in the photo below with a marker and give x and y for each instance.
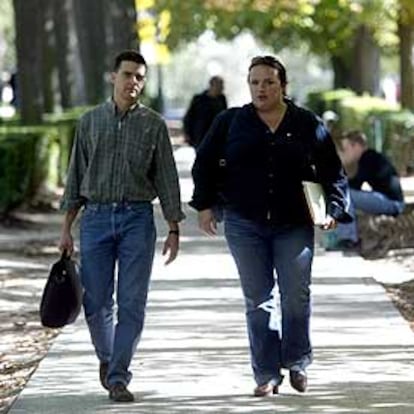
(200, 115)
(263, 172)
(375, 169)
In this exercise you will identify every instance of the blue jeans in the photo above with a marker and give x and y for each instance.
(370, 202)
(121, 234)
(259, 251)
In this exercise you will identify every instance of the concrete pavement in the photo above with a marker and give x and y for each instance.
(193, 356)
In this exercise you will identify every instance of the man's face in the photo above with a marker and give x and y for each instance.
(265, 87)
(349, 152)
(128, 81)
(216, 87)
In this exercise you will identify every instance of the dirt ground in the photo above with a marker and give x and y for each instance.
(27, 249)
(402, 294)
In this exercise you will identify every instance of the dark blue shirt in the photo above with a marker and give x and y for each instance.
(263, 171)
(375, 169)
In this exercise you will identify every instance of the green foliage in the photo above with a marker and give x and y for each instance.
(388, 128)
(398, 131)
(34, 156)
(321, 101)
(24, 165)
(65, 124)
(326, 26)
(362, 112)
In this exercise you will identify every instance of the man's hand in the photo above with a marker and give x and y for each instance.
(66, 242)
(171, 245)
(329, 224)
(207, 222)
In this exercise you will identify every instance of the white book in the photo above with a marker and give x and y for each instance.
(315, 198)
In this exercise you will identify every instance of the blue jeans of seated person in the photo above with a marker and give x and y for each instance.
(259, 251)
(370, 202)
(121, 234)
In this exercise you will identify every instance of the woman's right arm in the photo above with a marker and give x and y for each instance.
(206, 170)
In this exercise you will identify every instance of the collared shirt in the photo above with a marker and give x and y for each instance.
(122, 157)
(264, 170)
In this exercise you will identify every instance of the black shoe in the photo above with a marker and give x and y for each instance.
(298, 380)
(120, 393)
(266, 390)
(103, 373)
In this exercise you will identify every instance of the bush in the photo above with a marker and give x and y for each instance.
(66, 125)
(24, 163)
(388, 128)
(34, 157)
(321, 101)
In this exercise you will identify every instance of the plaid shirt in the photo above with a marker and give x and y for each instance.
(122, 157)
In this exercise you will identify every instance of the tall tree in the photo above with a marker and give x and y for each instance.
(48, 56)
(62, 32)
(365, 67)
(92, 43)
(122, 26)
(406, 36)
(330, 28)
(29, 28)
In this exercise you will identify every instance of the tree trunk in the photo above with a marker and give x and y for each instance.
(48, 56)
(406, 36)
(122, 33)
(28, 23)
(341, 70)
(92, 43)
(62, 31)
(366, 63)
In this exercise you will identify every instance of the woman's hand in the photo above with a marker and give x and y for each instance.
(207, 222)
(329, 223)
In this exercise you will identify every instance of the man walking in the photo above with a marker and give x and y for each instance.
(121, 160)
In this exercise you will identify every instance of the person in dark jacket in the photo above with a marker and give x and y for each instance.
(253, 159)
(202, 110)
(368, 166)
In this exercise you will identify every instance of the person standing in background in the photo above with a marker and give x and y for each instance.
(202, 110)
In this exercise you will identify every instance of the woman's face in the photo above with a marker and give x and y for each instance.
(266, 89)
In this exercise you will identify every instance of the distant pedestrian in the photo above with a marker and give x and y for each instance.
(121, 160)
(254, 159)
(14, 87)
(365, 165)
(202, 110)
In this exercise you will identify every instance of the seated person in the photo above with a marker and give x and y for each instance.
(366, 166)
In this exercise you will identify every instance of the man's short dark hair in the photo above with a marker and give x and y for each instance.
(274, 63)
(356, 136)
(214, 79)
(129, 55)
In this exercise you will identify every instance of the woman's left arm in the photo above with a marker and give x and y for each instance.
(331, 174)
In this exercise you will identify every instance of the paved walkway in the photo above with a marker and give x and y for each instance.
(193, 357)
